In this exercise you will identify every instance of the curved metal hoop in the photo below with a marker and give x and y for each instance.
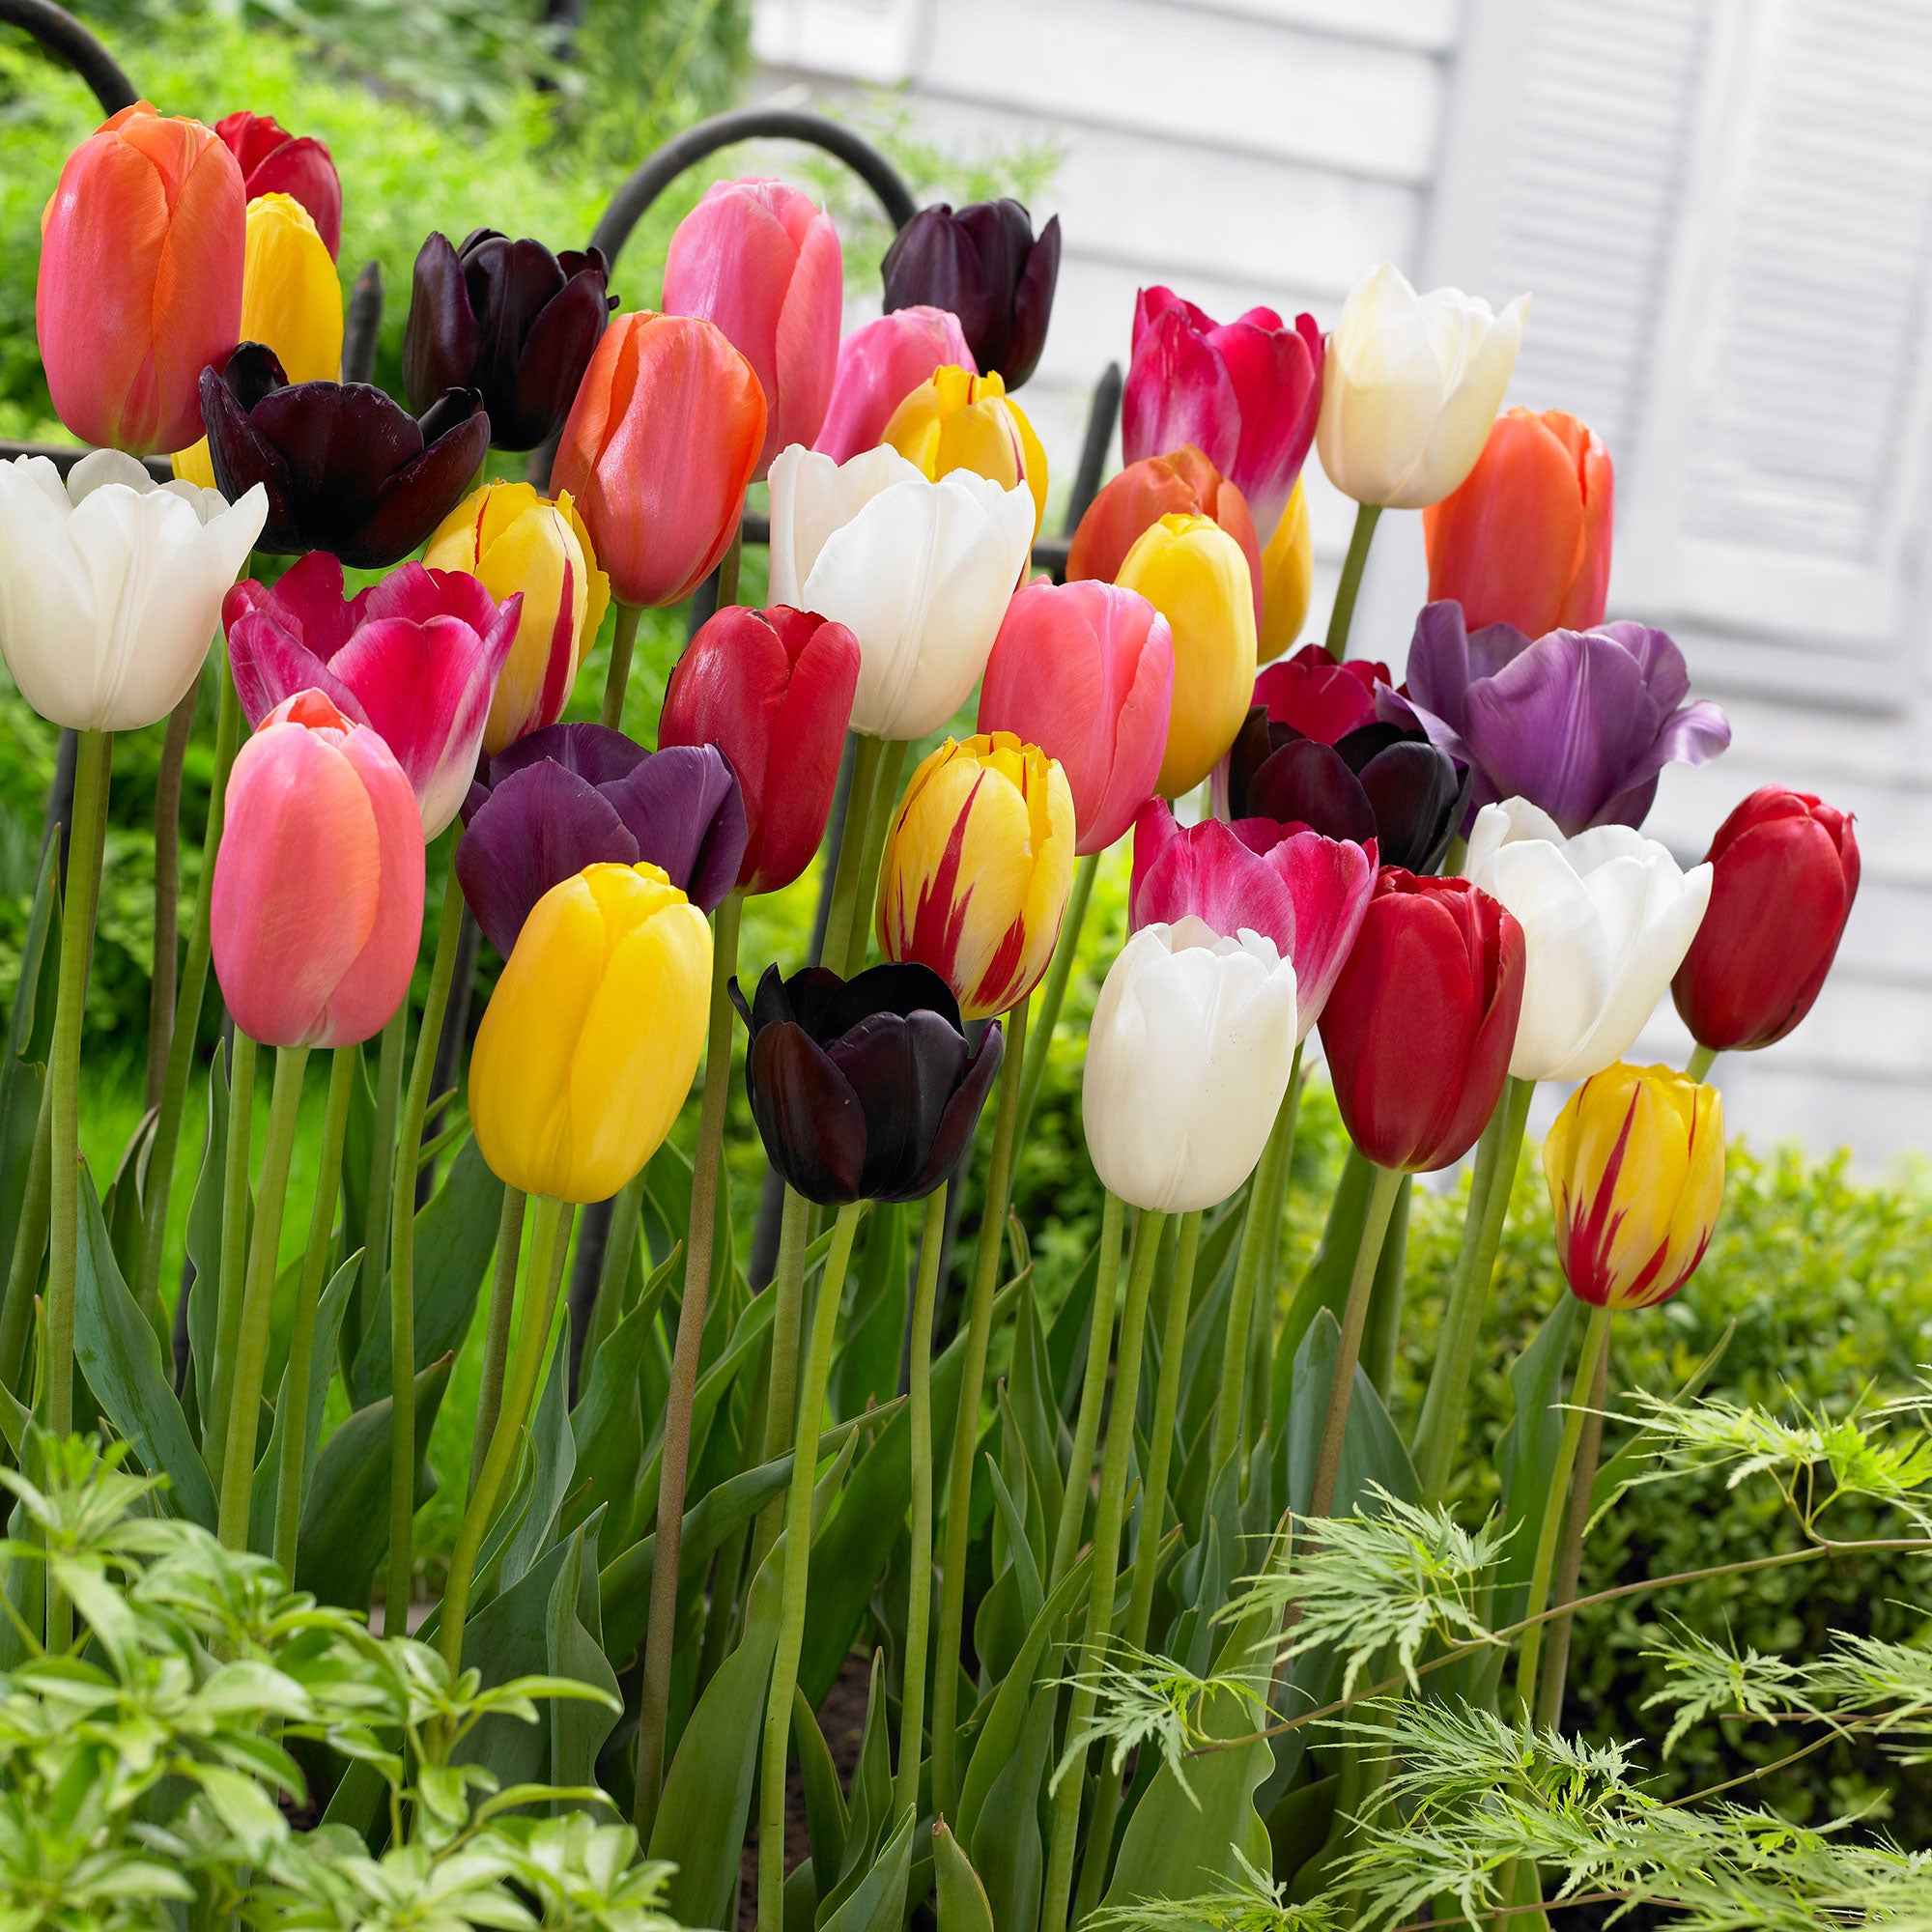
(66, 39)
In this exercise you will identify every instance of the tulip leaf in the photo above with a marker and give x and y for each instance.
(1004, 1838)
(30, 1023)
(1037, 1422)
(120, 1205)
(824, 1801)
(868, 1798)
(204, 1238)
(877, 1902)
(1016, 1518)
(608, 1424)
(963, 1904)
(866, 1367)
(1372, 1453)
(549, 1466)
(1526, 1454)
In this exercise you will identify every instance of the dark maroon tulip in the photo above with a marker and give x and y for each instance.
(863, 1089)
(507, 319)
(346, 470)
(275, 161)
(575, 795)
(984, 264)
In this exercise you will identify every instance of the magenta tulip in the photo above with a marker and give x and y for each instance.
(879, 366)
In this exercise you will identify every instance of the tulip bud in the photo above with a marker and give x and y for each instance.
(140, 279)
(1419, 1027)
(1635, 1167)
(863, 1089)
(515, 542)
(1086, 672)
(593, 1038)
(1288, 579)
(1526, 538)
(1193, 573)
(772, 689)
(1410, 387)
(664, 437)
(1785, 870)
(879, 366)
(957, 420)
(977, 869)
(1188, 1059)
(762, 261)
(275, 161)
(982, 265)
(317, 903)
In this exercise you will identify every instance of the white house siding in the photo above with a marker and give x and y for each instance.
(1732, 281)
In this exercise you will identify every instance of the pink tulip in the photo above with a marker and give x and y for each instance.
(317, 897)
(762, 262)
(1305, 892)
(879, 366)
(1086, 672)
(416, 657)
(1246, 392)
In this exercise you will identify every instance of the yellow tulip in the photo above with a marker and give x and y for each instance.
(593, 1035)
(976, 869)
(512, 539)
(1193, 573)
(956, 420)
(290, 299)
(1288, 577)
(1635, 1166)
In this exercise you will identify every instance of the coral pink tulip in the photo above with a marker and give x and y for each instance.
(879, 366)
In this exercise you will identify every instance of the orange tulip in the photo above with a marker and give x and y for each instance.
(661, 440)
(1526, 538)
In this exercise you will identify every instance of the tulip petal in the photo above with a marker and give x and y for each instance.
(809, 1117)
(683, 807)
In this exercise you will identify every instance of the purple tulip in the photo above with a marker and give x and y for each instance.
(577, 795)
(985, 265)
(1580, 722)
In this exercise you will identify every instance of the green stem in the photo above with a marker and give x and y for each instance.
(1570, 1557)
(1107, 1520)
(497, 1333)
(258, 1301)
(1052, 988)
(867, 758)
(232, 1282)
(623, 644)
(621, 1246)
(345, 1064)
(1093, 1390)
(878, 824)
(728, 567)
(29, 1243)
(1439, 1433)
(1350, 585)
(1700, 1061)
(966, 1418)
(388, 1099)
(797, 1576)
(162, 984)
(700, 1241)
(782, 1389)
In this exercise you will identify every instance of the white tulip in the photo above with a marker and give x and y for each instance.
(1606, 918)
(919, 572)
(111, 585)
(1188, 1061)
(1409, 389)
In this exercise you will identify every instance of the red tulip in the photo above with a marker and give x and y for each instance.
(1526, 538)
(1784, 872)
(1419, 1027)
(275, 161)
(773, 691)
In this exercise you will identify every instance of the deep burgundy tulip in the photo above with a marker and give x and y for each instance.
(1784, 872)
(983, 263)
(1419, 1027)
(1312, 750)
(275, 161)
(867, 1088)
(773, 691)
(347, 470)
(575, 795)
(509, 319)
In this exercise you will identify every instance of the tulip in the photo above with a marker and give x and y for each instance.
(957, 420)
(879, 366)
(1181, 484)
(509, 319)
(772, 689)
(1187, 1062)
(111, 585)
(1419, 1027)
(317, 907)
(1410, 387)
(1785, 870)
(1193, 573)
(290, 300)
(1247, 392)
(515, 542)
(1606, 918)
(1526, 538)
(140, 278)
(416, 657)
(591, 1040)
(919, 572)
(1086, 672)
(659, 446)
(977, 869)
(1288, 579)
(275, 161)
(1580, 722)
(1305, 892)
(863, 1089)
(577, 795)
(985, 265)
(1635, 1166)
(762, 261)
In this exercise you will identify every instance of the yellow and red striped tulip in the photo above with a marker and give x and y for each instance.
(957, 420)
